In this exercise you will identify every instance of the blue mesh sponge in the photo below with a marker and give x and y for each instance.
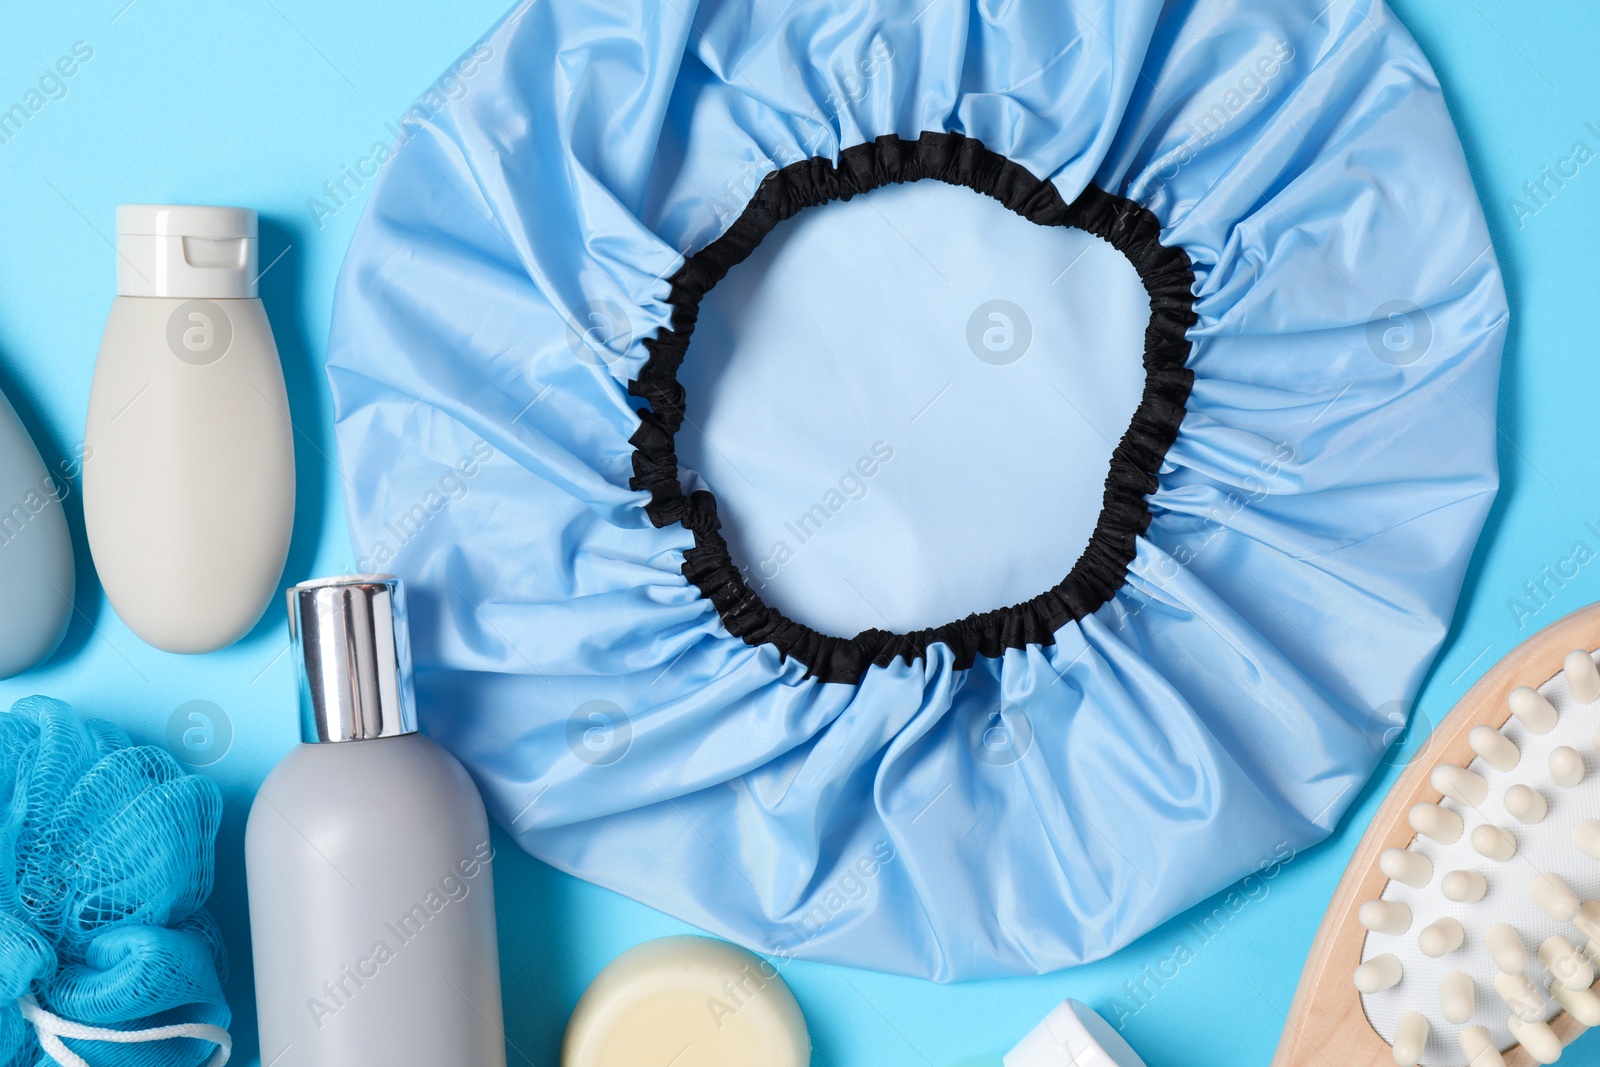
(106, 856)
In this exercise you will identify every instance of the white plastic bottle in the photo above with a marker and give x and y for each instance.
(368, 860)
(36, 580)
(189, 502)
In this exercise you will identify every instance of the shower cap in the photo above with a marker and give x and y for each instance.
(106, 853)
(939, 486)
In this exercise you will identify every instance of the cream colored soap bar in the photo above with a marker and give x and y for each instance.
(690, 1002)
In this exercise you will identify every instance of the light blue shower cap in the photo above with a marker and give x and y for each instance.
(990, 577)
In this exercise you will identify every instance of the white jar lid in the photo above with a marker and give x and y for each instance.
(187, 251)
(690, 1002)
(1073, 1035)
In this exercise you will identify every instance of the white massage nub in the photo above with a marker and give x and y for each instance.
(1566, 767)
(1581, 1004)
(1378, 973)
(1494, 747)
(1441, 824)
(1586, 835)
(1583, 680)
(1554, 897)
(1440, 937)
(1536, 1038)
(1588, 919)
(1527, 806)
(1480, 1048)
(1506, 948)
(1532, 710)
(1493, 843)
(1566, 964)
(1410, 868)
(1460, 785)
(1410, 1038)
(1464, 887)
(1385, 917)
(1458, 998)
(1520, 996)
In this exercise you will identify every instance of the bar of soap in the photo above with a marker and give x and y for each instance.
(691, 1002)
(1072, 1035)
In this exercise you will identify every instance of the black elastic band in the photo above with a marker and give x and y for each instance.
(957, 160)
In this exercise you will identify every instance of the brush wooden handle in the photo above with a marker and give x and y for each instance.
(1326, 1025)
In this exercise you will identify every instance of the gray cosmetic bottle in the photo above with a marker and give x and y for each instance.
(368, 859)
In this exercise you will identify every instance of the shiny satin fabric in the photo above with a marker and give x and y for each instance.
(1310, 530)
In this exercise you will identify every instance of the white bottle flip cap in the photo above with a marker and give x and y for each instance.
(1072, 1035)
(188, 252)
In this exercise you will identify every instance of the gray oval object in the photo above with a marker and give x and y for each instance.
(36, 579)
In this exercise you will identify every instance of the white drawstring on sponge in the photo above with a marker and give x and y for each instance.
(52, 1028)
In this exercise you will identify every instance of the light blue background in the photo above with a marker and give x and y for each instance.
(259, 102)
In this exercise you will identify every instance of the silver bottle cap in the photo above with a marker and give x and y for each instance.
(352, 652)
